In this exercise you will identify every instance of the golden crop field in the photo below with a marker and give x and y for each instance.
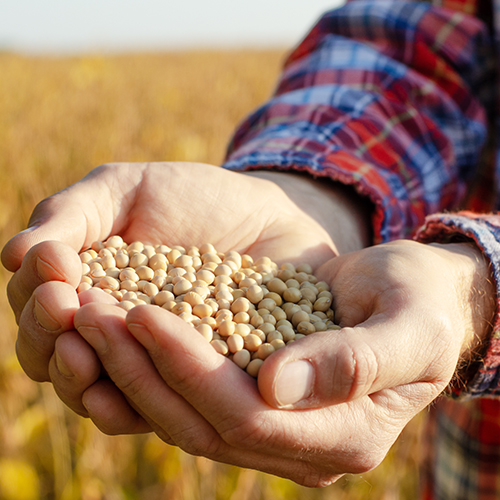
(59, 118)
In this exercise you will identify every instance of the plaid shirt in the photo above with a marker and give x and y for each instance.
(397, 98)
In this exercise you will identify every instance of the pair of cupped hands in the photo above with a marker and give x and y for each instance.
(329, 404)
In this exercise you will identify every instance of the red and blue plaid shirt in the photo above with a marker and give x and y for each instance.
(400, 100)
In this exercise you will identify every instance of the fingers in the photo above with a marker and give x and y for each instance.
(48, 313)
(110, 411)
(47, 261)
(128, 364)
(73, 368)
(307, 446)
(168, 412)
(76, 373)
(195, 370)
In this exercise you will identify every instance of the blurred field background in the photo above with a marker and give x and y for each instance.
(60, 117)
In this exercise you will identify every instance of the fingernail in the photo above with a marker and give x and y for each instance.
(95, 338)
(44, 319)
(62, 367)
(294, 383)
(47, 272)
(142, 334)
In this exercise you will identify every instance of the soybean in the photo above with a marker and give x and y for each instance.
(246, 309)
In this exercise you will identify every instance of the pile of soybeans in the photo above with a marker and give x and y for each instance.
(245, 309)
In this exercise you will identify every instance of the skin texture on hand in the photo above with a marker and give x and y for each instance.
(185, 203)
(328, 404)
(407, 318)
(176, 203)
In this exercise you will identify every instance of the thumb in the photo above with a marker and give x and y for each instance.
(335, 367)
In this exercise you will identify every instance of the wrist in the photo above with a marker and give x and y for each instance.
(343, 213)
(477, 291)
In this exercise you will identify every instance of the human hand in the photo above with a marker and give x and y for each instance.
(169, 203)
(330, 403)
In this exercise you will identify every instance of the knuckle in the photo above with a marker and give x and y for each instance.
(183, 382)
(36, 372)
(15, 302)
(108, 424)
(366, 461)
(130, 381)
(365, 369)
(252, 432)
(195, 442)
(355, 370)
(47, 205)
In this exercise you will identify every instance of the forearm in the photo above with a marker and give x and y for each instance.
(342, 212)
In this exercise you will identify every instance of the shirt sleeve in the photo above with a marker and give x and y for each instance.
(379, 95)
(392, 98)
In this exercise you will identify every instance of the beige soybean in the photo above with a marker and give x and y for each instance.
(144, 297)
(129, 285)
(182, 286)
(287, 333)
(129, 274)
(162, 297)
(242, 358)
(193, 298)
(205, 275)
(238, 293)
(150, 289)
(82, 287)
(205, 331)
(265, 350)
(159, 281)
(239, 305)
(279, 314)
(202, 310)
(292, 294)
(242, 317)
(87, 279)
(210, 321)
(182, 307)
(122, 260)
(220, 346)
(242, 329)
(278, 344)
(254, 293)
(173, 255)
(306, 328)
(253, 367)
(256, 320)
(235, 343)
(226, 328)
(109, 283)
(138, 259)
(145, 272)
(322, 304)
(114, 272)
(274, 335)
(252, 342)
